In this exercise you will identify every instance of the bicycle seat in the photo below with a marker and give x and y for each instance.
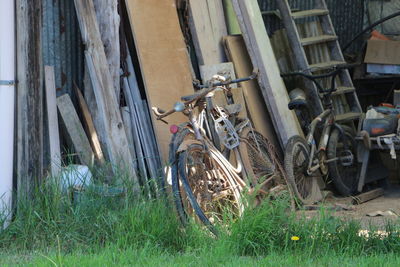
(194, 96)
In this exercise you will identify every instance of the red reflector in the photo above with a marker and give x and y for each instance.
(174, 129)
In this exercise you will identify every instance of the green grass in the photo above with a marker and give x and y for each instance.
(53, 229)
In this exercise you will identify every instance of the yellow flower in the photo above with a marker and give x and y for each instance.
(295, 238)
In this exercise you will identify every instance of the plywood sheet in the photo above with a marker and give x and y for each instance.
(257, 110)
(163, 59)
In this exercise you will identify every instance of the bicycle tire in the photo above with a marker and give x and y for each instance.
(176, 141)
(196, 199)
(345, 178)
(298, 180)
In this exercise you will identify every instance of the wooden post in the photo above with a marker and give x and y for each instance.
(29, 143)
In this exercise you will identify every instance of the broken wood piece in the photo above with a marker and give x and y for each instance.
(75, 130)
(89, 126)
(261, 53)
(367, 196)
(52, 120)
(108, 106)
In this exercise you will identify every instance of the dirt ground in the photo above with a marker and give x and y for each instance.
(388, 204)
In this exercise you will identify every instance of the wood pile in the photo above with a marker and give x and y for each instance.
(137, 56)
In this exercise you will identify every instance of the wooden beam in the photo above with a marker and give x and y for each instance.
(29, 158)
(52, 120)
(261, 53)
(108, 107)
(163, 59)
(75, 130)
(89, 126)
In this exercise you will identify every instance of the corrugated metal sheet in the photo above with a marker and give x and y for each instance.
(62, 45)
(347, 16)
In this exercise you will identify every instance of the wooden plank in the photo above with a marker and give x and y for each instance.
(262, 56)
(89, 126)
(108, 107)
(318, 39)
(207, 25)
(257, 109)
(52, 120)
(367, 196)
(29, 158)
(75, 130)
(325, 65)
(163, 58)
(109, 21)
(309, 13)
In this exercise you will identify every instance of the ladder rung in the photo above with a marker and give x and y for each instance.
(325, 65)
(318, 39)
(341, 90)
(348, 116)
(309, 13)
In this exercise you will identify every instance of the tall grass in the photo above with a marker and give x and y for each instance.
(56, 220)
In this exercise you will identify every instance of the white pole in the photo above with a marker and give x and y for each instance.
(7, 95)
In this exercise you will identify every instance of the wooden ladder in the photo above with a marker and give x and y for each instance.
(346, 104)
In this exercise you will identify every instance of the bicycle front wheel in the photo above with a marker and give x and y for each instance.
(208, 192)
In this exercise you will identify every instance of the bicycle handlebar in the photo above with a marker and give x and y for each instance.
(335, 71)
(205, 90)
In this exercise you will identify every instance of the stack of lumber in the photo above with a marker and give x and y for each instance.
(136, 57)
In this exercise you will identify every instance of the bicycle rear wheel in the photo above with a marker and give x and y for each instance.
(344, 176)
(207, 191)
(260, 161)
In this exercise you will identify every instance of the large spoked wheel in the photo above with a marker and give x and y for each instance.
(297, 158)
(260, 161)
(344, 170)
(205, 190)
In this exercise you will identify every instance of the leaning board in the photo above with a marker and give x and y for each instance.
(262, 57)
(258, 112)
(163, 59)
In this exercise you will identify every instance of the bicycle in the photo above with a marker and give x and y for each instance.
(336, 151)
(205, 184)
